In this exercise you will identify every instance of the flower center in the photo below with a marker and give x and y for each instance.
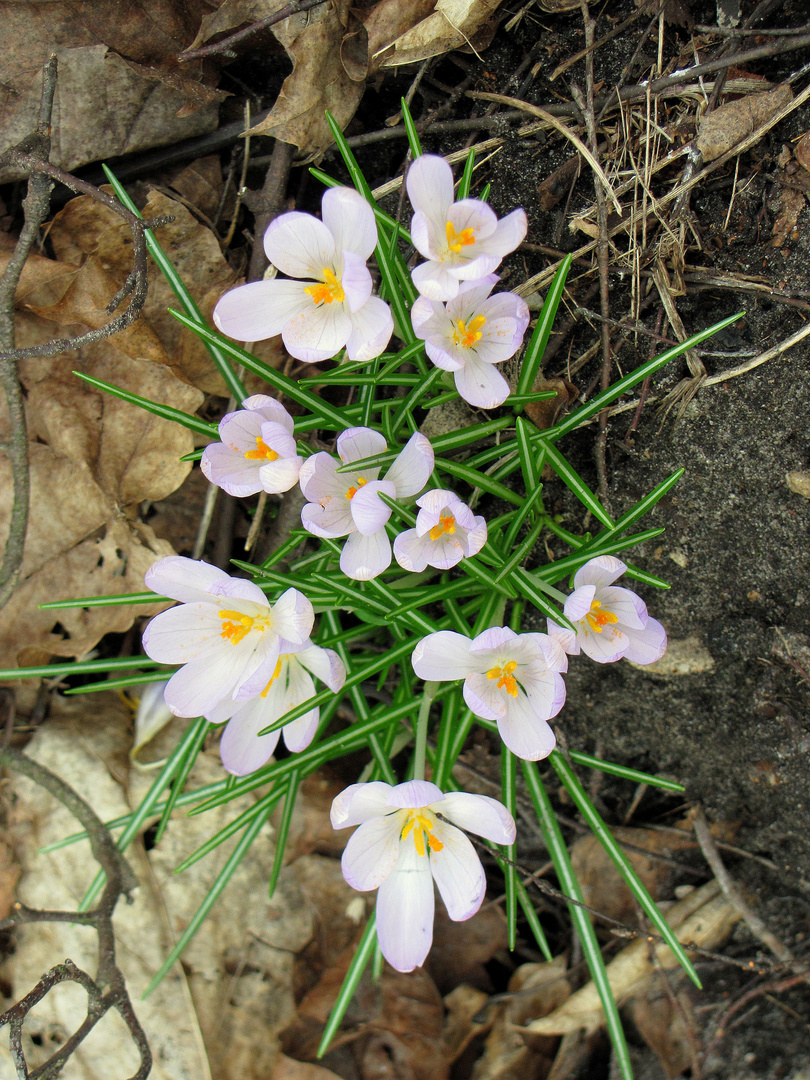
(273, 677)
(420, 824)
(447, 524)
(468, 335)
(236, 625)
(456, 241)
(598, 619)
(262, 451)
(326, 291)
(350, 494)
(506, 680)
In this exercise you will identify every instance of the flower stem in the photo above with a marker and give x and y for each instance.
(428, 694)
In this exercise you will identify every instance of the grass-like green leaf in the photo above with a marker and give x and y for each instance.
(574, 482)
(533, 357)
(224, 367)
(589, 812)
(561, 568)
(477, 479)
(365, 949)
(465, 183)
(583, 926)
(380, 215)
(194, 742)
(283, 830)
(165, 412)
(509, 799)
(532, 590)
(413, 399)
(520, 552)
(410, 130)
(104, 601)
(624, 772)
(85, 667)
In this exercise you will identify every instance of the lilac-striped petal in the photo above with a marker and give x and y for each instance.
(319, 479)
(300, 245)
(445, 353)
(497, 637)
(226, 469)
(331, 517)
(298, 734)
(200, 685)
(281, 475)
(186, 580)
(182, 633)
(603, 570)
(317, 333)
(355, 280)
(480, 815)
(629, 608)
(481, 384)
(372, 327)
(241, 747)
(546, 695)
(578, 604)
(412, 468)
(325, 664)
(424, 314)
(241, 589)
(365, 557)
(524, 733)
(414, 794)
(509, 233)
(360, 442)
(566, 638)
(269, 409)
(647, 645)
(369, 512)
(429, 184)
(358, 803)
(238, 430)
(260, 309)
(411, 550)
(476, 215)
(371, 853)
(458, 873)
(405, 911)
(483, 696)
(435, 281)
(443, 657)
(604, 648)
(293, 616)
(350, 220)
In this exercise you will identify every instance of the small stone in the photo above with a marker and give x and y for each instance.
(799, 483)
(685, 657)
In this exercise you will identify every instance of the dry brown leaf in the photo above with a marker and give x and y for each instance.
(290, 1069)
(665, 1025)
(461, 950)
(463, 1006)
(201, 183)
(544, 414)
(704, 918)
(803, 151)
(731, 123)
(454, 24)
(789, 204)
(105, 105)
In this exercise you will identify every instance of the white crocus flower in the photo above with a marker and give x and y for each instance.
(257, 452)
(446, 532)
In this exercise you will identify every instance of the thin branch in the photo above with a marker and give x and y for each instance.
(225, 46)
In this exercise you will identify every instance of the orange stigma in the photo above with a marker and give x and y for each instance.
(598, 619)
(350, 494)
(421, 823)
(456, 241)
(262, 451)
(447, 524)
(468, 335)
(506, 679)
(328, 290)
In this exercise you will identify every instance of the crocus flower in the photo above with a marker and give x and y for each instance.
(446, 532)
(347, 504)
(242, 748)
(403, 846)
(611, 622)
(257, 452)
(462, 241)
(511, 678)
(469, 334)
(333, 307)
(224, 633)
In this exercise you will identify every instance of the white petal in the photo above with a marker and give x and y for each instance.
(300, 245)
(325, 664)
(442, 657)
(369, 512)
(277, 438)
(495, 638)
(317, 333)
(183, 579)
(481, 384)
(483, 696)
(566, 639)
(578, 604)
(359, 442)
(372, 327)
(227, 469)
(629, 608)
(330, 517)
(238, 430)
(269, 409)
(350, 220)
(647, 645)
(423, 311)
(458, 873)
(319, 478)
(444, 352)
(509, 233)
(198, 687)
(358, 803)
(258, 669)
(480, 815)
(281, 475)
(365, 557)
(241, 589)
(476, 215)
(430, 188)
(260, 309)
(411, 550)
(293, 616)
(241, 748)
(372, 852)
(434, 280)
(416, 793)
(299, 733)
(405, 911)
(356, 281)
(412, 468)
(182, 633)
(604, 648)
(524, 732)
(603, 570)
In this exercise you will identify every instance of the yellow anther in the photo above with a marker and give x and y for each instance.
(262, 451)
(468, 335)
(506, 680)
(235, 626)
(273, 677)
(598, 619)
(456, 241)
(421, 824)
(446, 525)
(350, 494)
(328, 290)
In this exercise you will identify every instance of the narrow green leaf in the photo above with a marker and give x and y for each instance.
(119, 684)
(477, 479)
(509, 799)
(465, 183)
(639, 510)
(521, 552)
(165, 412)
(224, 367)
(412, 400)
(620, 861)
(530, 915)
(527, 455)
(187, 760)
(380, 215)
(572, 480)
(283, 830)
(531, 589)
(271, 800)
(533, 357)
(624, 772)
(221, 881)
(85, 667)
(297, 537)
(583, 926)
(104, 601)
(365, 949)
(615, 390)
(410, 130)
(561, 568)
(520, 517)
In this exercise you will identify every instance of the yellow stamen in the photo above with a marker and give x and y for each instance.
(598, 619)
(467, 336)
(350, 494)
(506, 680)
(456, 241)
(446, 525)
(262, 451)
(235, 626)
(421, 823)
(328, 290)
(273, 677)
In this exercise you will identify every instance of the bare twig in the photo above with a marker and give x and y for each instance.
(225, 46)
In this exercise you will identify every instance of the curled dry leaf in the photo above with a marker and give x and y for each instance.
(463, 1021)
(731, 123)
(789, 204)
(666, 1024)
(120, 87)
(454, 24)
(704, 918)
